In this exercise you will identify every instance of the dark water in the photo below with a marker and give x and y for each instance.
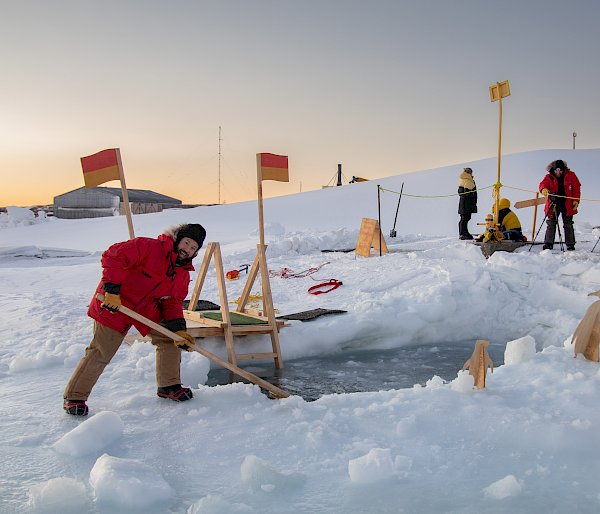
(362, 370)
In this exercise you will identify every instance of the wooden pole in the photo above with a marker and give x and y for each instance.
(274, 390)
(261, 221)
(126, 205)
(268, 308)
(537, 195)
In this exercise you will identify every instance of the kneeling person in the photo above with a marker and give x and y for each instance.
(509, 222)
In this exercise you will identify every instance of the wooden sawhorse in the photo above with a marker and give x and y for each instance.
(242, 321)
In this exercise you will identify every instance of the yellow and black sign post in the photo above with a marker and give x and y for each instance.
(498, 91)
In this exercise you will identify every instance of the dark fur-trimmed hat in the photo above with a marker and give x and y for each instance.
(193, 231)
(558, 164)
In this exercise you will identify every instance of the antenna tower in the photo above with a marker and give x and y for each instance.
(219, 182)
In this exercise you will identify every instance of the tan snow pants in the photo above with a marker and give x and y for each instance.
(102, 349)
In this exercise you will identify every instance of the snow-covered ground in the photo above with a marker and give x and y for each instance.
(526, 443)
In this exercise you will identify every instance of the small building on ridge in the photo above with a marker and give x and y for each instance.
(98, 202)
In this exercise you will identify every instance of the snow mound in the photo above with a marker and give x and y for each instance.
(39, 252)
(463, 383)
(519, 350)
(17, 217)
(127, 483)
(92, 435)
(259, 475)
(374, 466)
(504, 488)
(216, 505)
(64, 495)
(194, 370)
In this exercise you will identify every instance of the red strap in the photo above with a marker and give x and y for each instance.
(333, 283)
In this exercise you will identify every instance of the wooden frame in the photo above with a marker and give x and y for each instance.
(199, 326)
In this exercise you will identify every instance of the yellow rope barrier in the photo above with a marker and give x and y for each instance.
(482, 189)
(434, 196)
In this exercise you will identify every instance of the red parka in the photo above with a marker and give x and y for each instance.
(572, 190)
(151, 283)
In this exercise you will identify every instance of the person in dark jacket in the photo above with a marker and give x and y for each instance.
(563, 191)
(467, 204)
(151, 277)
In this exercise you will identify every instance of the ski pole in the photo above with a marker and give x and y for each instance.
(379, 215)
(393, 231)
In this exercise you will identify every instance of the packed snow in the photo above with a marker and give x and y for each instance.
(525, 443)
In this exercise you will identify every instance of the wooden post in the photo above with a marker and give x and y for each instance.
(210, 248)
(227, 332)
(537, 195)
(126, 205)
(268, 308)
(586, 337)
(252, 274)
(261, 222)
(479, 362)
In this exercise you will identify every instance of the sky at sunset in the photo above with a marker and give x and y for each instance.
(382, 87)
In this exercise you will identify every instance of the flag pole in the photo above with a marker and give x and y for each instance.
(261, 223)
(125, 195)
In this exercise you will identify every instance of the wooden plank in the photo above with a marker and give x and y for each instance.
(274, 390)
(369, 236)
(268, 303)
(249, 356)
(377, 238)
(201, 276)
(198, 317)
(227, 333)
(248, 286)
(365, 236)
(530, 203)
(202, 332)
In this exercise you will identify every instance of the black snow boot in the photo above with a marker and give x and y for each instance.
(175, 393)
(75, 407)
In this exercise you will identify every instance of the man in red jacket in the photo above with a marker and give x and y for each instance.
(151, 277)
(563, 189)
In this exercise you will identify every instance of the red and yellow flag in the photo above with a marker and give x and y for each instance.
(101, 167)
(274, 167)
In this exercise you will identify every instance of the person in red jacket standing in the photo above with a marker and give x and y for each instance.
(563, 191)
(151, 277)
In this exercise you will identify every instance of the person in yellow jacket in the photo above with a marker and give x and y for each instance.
(509, 222)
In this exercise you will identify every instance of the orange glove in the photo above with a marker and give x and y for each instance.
(188, 341)
(575, 205)
(111, 302)
(544, 192)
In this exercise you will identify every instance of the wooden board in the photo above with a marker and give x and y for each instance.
(530, 203)
(369, 236)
